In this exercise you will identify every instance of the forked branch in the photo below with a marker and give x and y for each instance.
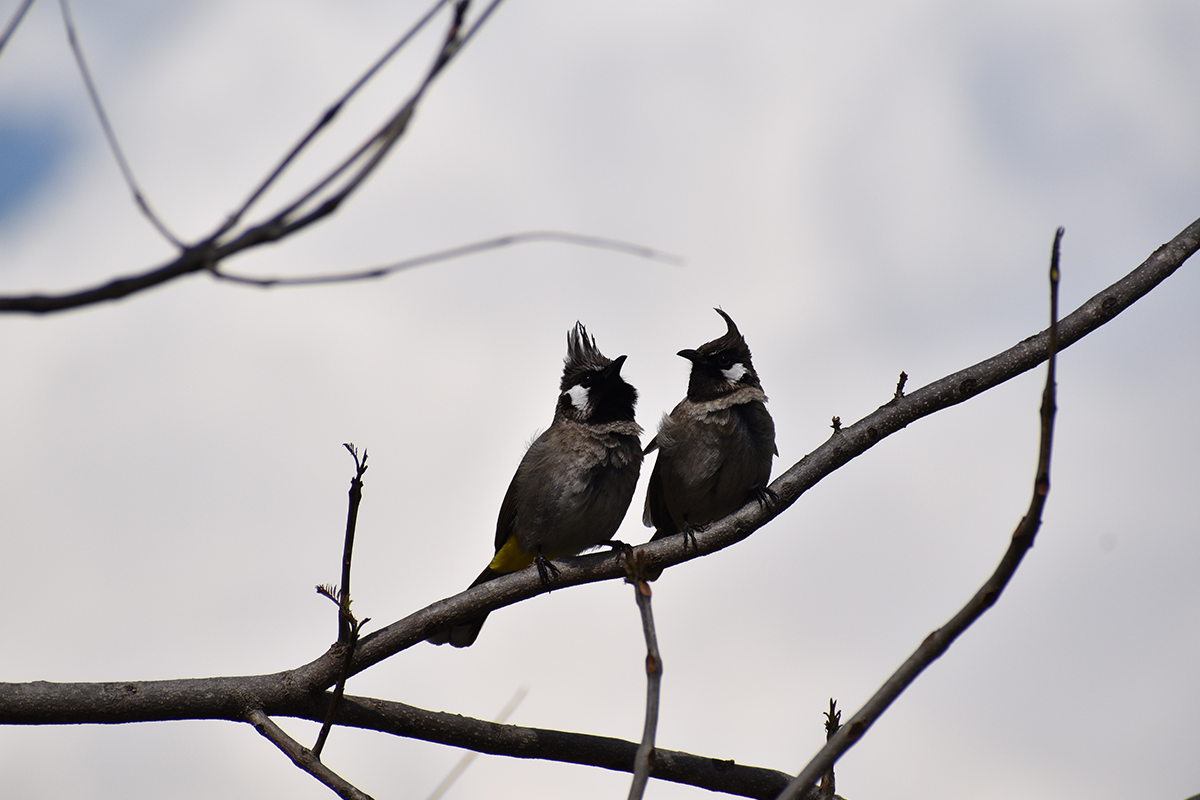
(302, 757)
(314, 204)
(348, 625)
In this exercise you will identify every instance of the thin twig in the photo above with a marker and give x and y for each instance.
(833, 723)
(939, 641)
(339, 690)
(302, 757)
(356, 488)
(109, 134)
(348, 626)
(370, 153)
(643, 763)
(328, 117)
(440, 790)
(576, 239)
(13, 22)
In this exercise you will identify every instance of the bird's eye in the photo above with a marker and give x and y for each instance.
(724, 360)
(587, 380)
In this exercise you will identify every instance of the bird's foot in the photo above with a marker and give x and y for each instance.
(766, 497)
(688, 530)
(689, 534)
(545, 568)
(619, 549)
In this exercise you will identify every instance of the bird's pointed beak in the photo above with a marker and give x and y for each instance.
(693, 356)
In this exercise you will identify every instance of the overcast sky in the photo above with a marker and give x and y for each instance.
(866, 187)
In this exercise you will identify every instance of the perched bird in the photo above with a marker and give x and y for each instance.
(715, 448)
(574, 483)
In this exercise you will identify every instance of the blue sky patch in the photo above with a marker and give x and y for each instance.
(30, 153)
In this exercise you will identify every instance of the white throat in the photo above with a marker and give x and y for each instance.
(579, 397)
(735, 372)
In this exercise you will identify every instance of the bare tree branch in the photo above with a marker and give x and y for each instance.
(355, 500)
(47, 703)
(527, 237)
(313, 205)
(13, 22)
(939, 641)
(539, 743)
(833, 723)
(291, 694)
(302, 757)
(109, 134)
(348, 625)
(328, 117)
(643, 764)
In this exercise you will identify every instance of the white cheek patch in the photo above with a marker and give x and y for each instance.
(579, 396)
(735, 372)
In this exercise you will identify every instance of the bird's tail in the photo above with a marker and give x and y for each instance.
(464, 634)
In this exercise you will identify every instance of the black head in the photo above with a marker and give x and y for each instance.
(720, 366)
(592, 389)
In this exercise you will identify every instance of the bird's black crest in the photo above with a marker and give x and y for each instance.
(708, 379)
(582, 356)
(732, 341)
(609, 397)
